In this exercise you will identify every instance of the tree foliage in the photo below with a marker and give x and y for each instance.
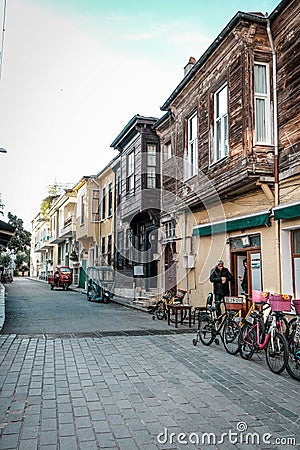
(20, 242)
(53, 192)
(5, 260)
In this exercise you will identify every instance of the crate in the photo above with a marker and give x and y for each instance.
(260, 296)
(234, 303)
(296, 303)
(278, 303)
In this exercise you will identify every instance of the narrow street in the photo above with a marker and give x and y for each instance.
(33, 308)
(136, 386)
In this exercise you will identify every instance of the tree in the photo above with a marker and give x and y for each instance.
(20, 242)
(53, 192)
(46, 205)
(5, 260)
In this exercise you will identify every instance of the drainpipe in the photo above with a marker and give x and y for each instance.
(276, 152)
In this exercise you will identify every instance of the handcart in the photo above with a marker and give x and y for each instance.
(100, 284)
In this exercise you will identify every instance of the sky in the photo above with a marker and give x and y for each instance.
(75, 72)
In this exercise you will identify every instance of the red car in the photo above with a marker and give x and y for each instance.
(61, 278)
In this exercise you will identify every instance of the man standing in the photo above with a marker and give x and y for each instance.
(220, 277)
(244, 278)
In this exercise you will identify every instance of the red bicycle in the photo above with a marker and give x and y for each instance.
(274, 343)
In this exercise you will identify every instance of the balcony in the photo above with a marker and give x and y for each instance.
(43, 244)
(68, 228)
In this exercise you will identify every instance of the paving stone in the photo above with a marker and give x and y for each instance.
(127, 389)
(48, 437)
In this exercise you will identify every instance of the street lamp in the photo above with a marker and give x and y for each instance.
(3, 150)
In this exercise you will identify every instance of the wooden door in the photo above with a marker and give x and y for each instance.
(170, 266)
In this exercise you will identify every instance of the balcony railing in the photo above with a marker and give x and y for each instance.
(68, 228)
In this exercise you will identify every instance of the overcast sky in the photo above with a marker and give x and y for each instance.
(75, 72)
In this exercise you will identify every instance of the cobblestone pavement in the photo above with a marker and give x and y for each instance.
(140, 392)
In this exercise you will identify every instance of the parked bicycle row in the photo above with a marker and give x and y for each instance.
(264, 327)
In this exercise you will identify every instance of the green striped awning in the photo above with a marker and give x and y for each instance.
(236, 223)
(288, 211)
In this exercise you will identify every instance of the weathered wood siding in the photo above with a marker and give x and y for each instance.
(231, 63)
(286, 35)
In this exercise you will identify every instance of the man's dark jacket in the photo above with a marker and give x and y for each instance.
(215, 277)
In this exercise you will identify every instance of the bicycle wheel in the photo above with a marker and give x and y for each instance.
(206, 330)
(160, 310)
(277, 353)
(248, 341)
(293, 364)
(232, 337)
(172, 316)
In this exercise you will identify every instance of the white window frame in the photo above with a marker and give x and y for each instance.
(168, 150)
(103, 203)
(170, 229)
(264, 130)
(130, 171)
(82, 209)
(151, 166)
(95, 205)
(191, 157)
(110, 200)
(221, 148)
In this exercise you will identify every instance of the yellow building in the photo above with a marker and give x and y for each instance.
(95, 220)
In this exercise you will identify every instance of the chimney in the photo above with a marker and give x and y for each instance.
(190, 65)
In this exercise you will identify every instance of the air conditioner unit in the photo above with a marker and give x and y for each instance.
(189, 261)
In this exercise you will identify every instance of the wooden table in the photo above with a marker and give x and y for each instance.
(181, 308)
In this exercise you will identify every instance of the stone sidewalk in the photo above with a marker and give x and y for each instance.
(140, 392)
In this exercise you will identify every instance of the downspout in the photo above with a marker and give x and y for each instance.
(276, 151)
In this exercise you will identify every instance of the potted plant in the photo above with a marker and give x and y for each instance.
(73, 256)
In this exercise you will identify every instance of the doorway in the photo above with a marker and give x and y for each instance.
(248, 250)
(170, 266)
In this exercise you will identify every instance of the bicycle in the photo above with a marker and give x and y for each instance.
(274, 343)
(210, 327)
(170, 297)
(266, 319)
(293, 364)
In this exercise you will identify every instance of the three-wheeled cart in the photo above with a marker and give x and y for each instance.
(100, 284)
(62, 278)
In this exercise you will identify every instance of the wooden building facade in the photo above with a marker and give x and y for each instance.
(137, 212)
(230, 138)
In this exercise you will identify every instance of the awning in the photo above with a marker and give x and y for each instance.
(288, 211)
(6, 233)
(236, 223)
